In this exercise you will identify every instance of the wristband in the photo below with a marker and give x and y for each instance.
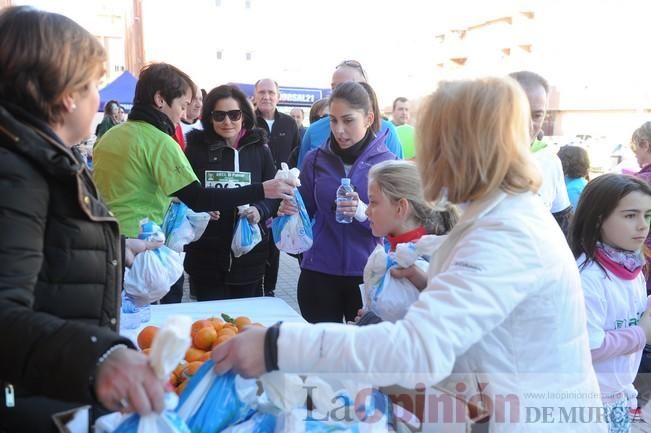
(271, 347)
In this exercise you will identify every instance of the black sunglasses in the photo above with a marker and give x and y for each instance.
(352, 64)
(220, 116)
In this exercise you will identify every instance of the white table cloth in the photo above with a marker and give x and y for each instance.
(266, 310)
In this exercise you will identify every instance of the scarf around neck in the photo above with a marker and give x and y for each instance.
(350, 155)
(149, 114)
(626, 265)
(410, 236)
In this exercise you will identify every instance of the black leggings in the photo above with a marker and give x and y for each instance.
(328, 298)
(208, 288)
(271, 268)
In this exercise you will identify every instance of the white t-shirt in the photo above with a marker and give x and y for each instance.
(185, 127)
(552, 191)
(613, 303)
(270, 123)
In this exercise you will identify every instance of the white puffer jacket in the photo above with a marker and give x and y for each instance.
(502, 319)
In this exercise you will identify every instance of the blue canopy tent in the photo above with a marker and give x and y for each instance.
(121, 89)
(291, 96)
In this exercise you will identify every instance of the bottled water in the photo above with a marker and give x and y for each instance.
(145, 313)
(130, 314)
(343, 189)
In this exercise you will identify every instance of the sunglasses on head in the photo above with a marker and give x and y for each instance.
(352, 64)
(220, 116)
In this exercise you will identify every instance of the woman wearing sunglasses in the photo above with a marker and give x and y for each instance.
(138, 166)
(230, 152)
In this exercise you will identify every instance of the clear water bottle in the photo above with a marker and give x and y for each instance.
(130, 314)
(145, 313)
(343, 189)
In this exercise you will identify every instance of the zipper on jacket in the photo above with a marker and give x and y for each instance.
(10, 400)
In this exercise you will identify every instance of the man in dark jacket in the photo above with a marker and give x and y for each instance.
(283, 138)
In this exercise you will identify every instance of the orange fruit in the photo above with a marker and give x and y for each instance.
(146, 336)
(242, 321)
(199, 324)
(221, 339)
(173, 379)
(181, 387)
(178, 371)
(206, 356)
(192, 368)
(231, 326)
(217, 323)
(193, 354)
(204, 338)
(226, 331)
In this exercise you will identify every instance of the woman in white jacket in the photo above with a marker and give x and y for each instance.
(501, 323)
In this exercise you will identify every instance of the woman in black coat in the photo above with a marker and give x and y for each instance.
(229, 147)
(60, 253)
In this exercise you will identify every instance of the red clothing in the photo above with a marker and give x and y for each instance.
(179, 137)
(410, 236)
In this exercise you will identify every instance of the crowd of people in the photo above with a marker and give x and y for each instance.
(537, 282)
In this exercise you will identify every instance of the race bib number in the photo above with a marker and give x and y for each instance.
(227, 179)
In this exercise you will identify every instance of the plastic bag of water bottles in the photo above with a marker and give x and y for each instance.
(368, 412)
(168, 349)
(130, 317)
(210, 403)
(153, 271)
(260, 422)
(245, 237)
(181, 225)
(292, 233)
(389, 297)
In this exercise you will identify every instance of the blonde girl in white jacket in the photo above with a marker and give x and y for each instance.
(501, 322)
(607, 237)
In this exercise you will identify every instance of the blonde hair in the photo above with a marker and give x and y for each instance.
(472, 139)
(400, 179)
(45, 56)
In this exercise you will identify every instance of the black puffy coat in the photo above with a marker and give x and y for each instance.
(60, 268)
(213, 249)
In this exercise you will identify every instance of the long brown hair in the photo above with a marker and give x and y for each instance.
(360, 96)
(599, 199)
(472, 138)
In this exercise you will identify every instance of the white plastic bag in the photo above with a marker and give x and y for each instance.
(168, 349)
(389, 297)
(152, 274)
(292, 233)
(210, 403)
(392, 297)
(199, 221)
(245, 237)
(153, 271)
(181, 225)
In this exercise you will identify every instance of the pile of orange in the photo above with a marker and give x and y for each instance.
(206, 335)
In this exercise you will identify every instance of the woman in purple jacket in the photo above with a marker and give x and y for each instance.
(331, 271)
